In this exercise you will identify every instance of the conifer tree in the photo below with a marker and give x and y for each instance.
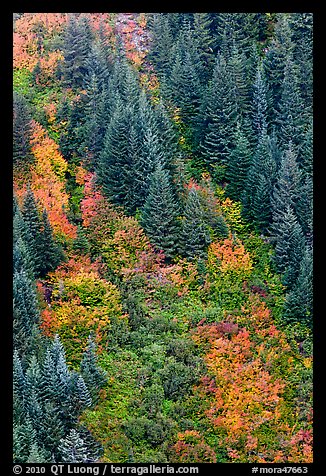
(220, 120)
(76, 48)
(259, 183)
(81, 244)
(159, 215)
(304, 206)
(24, 435)
(238, 165)
(51, 253)
(289, 116)
(22, 131)
(299, 301)
(93, 376)
(260, 106)
(195, 234)
(204, 44)
(289, 247)
(278, 52)
(25, 312)
(36, 455)
(286, 188)
(72, 449)
(33, 236)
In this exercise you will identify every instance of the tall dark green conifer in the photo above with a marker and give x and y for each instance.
(22, 132)
(238, 165)
(195, 235)
(159, 215)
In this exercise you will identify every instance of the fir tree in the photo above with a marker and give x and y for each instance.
(259, 183)
(76, 48)
(22, 132)
(195, 235)
(238, 165)
(51, 253)
(289, 247)
(33, 236)
(290, 112)
(286, 188)
(299, 301)
(204, 44)
(72, 449)
(159, 215)
(93, 376)
(220, 120)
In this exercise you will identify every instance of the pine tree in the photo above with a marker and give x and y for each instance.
(123, 168)
(36, 455)
(162, 42)
(19, 390)
(259, 184)
(220, 120)
(289, 247)
(51, 428)
(72, 449)
(286, 188)
(195, 235)
(51, 253)
(33, 236)
(22, 132)
(289, 117)
(81, 244)
(260, 106)
(304, 206)
(159, 215)
(299, 301)
(24, 436)
(238, 165)
(278, 52)
(76, 48)
(93, 376)
(25, 312)
(204, 44)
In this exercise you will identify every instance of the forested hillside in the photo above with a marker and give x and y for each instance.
(163, 237)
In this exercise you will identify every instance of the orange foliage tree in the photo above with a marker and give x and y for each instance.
(246, 393)
(28, 42)
(47, 180)
(82, 301)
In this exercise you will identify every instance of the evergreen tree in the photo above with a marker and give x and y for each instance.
(93, 376)
(162, 42)
(72, 449)
(25, 312)
(304, 206)
(204, 44)
(286, 188)
(289, 109)
(36, 455)
(260, 106)
(289, 248)
(51, 253)
(276, 57)
(220, 120)
(22, 132)
(195, 234)
(159, 216)
(19, 390)
(238, 165)
(24, 436)
(81, 244)
(259, 183)
(33, 237)
(76, 49)
(299, 301)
